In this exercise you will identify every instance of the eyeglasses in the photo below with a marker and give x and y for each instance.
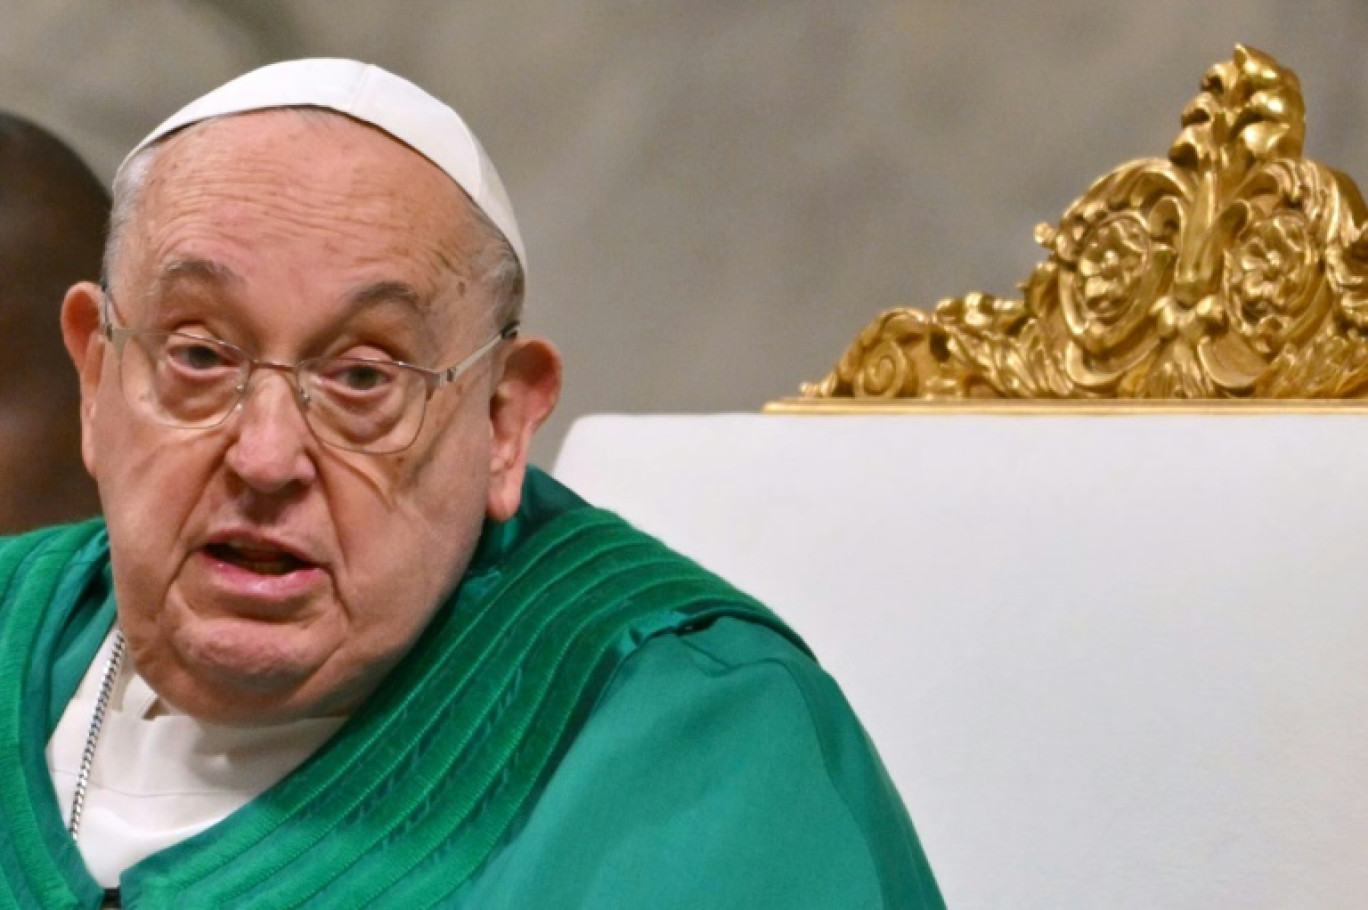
(375, 407)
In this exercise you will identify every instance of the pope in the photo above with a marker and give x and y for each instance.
(333, 642)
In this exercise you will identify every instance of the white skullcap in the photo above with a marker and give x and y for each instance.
(372, 95)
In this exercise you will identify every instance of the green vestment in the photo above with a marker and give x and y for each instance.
(590, 721)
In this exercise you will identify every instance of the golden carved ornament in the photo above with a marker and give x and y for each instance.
(1234, 268)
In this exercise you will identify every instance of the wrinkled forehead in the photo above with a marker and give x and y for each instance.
(307, 206)
(323, 151)
(373, 96)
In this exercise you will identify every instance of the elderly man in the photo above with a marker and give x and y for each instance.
(52, 221)
(334, 644)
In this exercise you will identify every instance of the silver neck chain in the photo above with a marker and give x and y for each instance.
(111, 675)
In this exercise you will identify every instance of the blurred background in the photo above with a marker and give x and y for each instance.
(717, 196)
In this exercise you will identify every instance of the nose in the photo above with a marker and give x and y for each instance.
(272, 446)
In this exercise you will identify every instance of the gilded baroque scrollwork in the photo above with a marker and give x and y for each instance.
(1234, 268)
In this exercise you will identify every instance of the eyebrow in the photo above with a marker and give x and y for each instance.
(198, 270)
(192, 270)
(380, 292)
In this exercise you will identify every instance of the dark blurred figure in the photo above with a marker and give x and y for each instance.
(52, 222)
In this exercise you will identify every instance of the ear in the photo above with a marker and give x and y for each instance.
(524, 396)
(81, 332)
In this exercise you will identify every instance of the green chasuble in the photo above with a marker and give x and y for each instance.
(591, 721)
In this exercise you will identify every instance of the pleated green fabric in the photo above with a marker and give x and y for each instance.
(437, 770)
(40, 866)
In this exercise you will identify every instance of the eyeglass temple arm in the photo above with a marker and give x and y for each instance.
(451, 374)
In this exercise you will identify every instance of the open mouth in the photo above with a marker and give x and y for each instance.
(260, 560)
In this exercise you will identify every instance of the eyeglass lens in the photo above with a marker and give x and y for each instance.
(195, 383)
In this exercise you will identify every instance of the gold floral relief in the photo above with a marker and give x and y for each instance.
(1234, 268)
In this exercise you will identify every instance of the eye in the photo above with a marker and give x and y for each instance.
(197, 355)
(354, 376)
(361, 377)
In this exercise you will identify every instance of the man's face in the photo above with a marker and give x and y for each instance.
(260, 574)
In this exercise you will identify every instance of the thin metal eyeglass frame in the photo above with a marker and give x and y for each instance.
(118, 336)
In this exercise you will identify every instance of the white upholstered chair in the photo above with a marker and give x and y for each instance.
(1114, 654)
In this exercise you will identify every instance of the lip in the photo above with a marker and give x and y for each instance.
(235, 588)
(250, 539)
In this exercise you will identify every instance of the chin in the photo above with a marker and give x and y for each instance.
(242, 672)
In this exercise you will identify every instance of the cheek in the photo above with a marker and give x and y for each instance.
(150, 480)
(145, 469)
(410, 529)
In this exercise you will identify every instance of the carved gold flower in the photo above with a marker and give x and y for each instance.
(1111, 266)
(1269, 276)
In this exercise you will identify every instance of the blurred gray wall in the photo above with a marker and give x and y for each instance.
(718, 195)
